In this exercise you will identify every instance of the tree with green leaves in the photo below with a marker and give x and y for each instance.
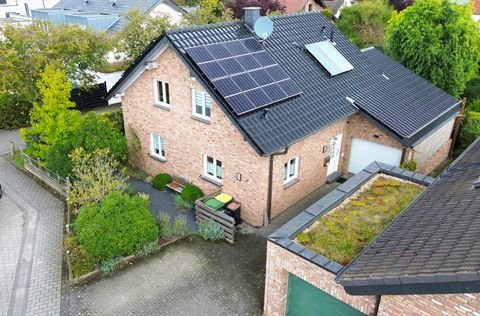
(438, 40)
(139, 31)
(26, 51)
(52, 119)
(210, 11)
(95, 175)
(365, 22)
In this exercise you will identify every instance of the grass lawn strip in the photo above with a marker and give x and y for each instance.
(344, 231)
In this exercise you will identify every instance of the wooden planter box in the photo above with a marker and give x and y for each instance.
(204, 212)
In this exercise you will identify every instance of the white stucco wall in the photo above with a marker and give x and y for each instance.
(18, 6)
(110, 79)
(163, 9)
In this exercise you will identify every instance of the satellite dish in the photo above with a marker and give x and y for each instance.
(263, 27)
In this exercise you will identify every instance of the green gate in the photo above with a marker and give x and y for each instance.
(304, 299)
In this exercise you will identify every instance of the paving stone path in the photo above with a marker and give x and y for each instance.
(192, 277)
(36, 288)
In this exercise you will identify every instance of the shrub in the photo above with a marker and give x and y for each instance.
(472, 90)
(165, 226)
(180, 226)
(81, 262)
(410, 165)
(211, 230)
(181, 203)
(139, 175)
(474, 105)
(148, 248)
(110, 265)
(191, 193)
(328, 13)
(161, 180)
(119, 225)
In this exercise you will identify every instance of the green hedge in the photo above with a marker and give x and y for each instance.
(117, 226)
(191, 193)
(161, 180)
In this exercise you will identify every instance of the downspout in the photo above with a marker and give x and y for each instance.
(404, 153)
(377, 305)
(268, 215)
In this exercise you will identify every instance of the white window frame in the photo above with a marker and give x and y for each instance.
(216, 176)
(290, 174)
(202, 115)
(165, 94)
(161, 143)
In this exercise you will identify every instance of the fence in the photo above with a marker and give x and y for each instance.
(53, 180)
(203, 212)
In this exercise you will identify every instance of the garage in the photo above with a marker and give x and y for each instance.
(304, 299)
(363, 153)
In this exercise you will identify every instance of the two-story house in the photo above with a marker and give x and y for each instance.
(268, 121)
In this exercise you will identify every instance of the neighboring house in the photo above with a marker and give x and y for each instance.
(476, 10)
(294, 6)
(270, 135)
(106, 15)
(426, 262)
(22, 7)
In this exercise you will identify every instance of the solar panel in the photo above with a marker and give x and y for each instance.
(244, 73)
(330, 58)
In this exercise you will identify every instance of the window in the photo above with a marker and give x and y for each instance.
(290, 170)
(158, 146)
(310, 6)
(162, 93)
(201, 104)
(213, 168)
(329, 57)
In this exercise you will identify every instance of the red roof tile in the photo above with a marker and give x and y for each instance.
(476, 7)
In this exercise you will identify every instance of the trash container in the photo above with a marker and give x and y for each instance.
(235, 207)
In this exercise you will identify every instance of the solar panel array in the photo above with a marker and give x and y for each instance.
(330, 58)
(244, 74)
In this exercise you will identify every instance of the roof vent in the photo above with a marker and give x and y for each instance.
(476, 184)
(331, 36)
(265, 114)
(113, 2)
(251, 16)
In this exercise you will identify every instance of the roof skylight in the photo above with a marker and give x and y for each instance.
(329, 57)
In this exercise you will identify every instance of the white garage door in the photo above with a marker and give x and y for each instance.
(363, 153)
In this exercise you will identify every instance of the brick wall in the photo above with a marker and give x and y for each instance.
(430, 305)
(436, 159)
(280, 262)
(187, 140)
(359, 126)
(432, 143)
(311, 173)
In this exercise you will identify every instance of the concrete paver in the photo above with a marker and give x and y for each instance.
(193, 277)
(11, 232)
(37, 286)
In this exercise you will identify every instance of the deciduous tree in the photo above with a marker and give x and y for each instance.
(25, 51)
(209, 11)
(438, 40)
(267, 7)
(138, 33)
(95, 175)
(365, 22)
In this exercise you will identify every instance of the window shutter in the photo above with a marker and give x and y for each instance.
(207, 104)
(198, 102)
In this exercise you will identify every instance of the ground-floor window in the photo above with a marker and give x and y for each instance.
(290, 170)
(213, 168)
(157, 146)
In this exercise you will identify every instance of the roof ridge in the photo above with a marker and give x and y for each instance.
(201, 27)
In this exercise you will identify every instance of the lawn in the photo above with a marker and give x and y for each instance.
(343, 232)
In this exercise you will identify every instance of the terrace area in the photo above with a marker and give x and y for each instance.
(344, 231)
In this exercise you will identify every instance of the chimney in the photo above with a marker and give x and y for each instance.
(251, 15)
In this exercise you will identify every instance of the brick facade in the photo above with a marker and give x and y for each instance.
(188, 140)
(280, 262)
(311, 173)
(436, 159)
(359, 126)
(426, 305)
